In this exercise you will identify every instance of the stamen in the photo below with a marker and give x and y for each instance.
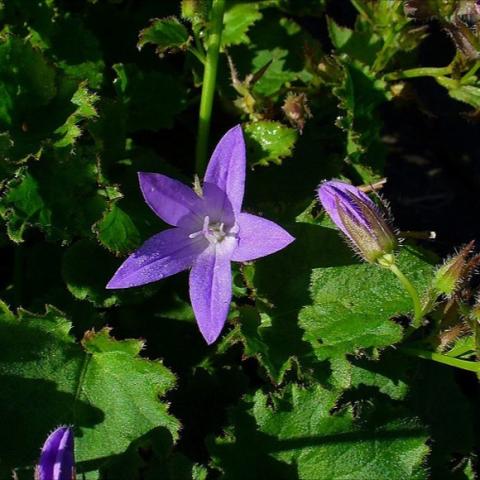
(214, 232)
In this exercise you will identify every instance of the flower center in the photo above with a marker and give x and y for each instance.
(214, 232)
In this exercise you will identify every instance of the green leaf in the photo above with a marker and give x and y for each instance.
(103, 388)
(353, 305)
(80, 260)
(167, 34)
(278, 42)
(360, 94)
(47, 196)
(117, 232)
(237, 21)
(269, 142)
(358, 45)
(70, 131)
(152, 99)
(469, 94)
(380, 374)
(21, 205)
(339, 35)
(27, 80)
(293, 435)
(277, 74)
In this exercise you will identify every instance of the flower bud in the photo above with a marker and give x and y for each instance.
(455, 269)
(360, 220)
(57, 458)
(193, 10)
(296, 110)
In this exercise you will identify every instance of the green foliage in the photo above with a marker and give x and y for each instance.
(152, 99)
(353, 305)
(116, 231)
(314, 375)
(167, 34)
(46, 196)
(269, 142)
(70, 131)
(24, 65)
(293, 434)
(101, 386)
(238, 19)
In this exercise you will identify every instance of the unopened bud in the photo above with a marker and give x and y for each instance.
(360, 220)
(193, 10)
(450, 275)
(57, 460)
(296, 110)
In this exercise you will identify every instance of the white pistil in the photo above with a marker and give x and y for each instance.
(213, 232)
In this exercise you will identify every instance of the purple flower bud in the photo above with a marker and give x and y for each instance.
(360, 220)
(57, 459)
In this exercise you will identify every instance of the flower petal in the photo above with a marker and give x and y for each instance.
(259, 237)
(333, 192)
(211, 290)
(170, 199)
(226, 168)
(217, 205)
(57, 457)
(164, 254)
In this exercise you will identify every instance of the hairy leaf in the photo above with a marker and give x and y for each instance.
(237, 20)
(102, 387)
(294, 435)
(167, 34)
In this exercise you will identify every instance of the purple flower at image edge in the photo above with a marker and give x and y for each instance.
(57, 461)
(210, 231)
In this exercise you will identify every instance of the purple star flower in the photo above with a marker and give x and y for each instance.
(359, 219)
(57, 459)
(210, 232)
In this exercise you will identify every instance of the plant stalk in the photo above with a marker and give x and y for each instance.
(420, 72)
(444, 359)
(209, 82)
(417, 306)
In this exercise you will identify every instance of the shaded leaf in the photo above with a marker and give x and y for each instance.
(167, 34)
(117, 232)
(102, 387)
(293, 435)
(152, 99)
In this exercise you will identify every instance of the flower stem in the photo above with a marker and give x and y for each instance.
(471, 73)
(439, 358)
(420, 72)
(417, 306)
(209, 81)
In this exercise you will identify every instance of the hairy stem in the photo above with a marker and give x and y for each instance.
(209, 82)
(412, 291)
(439, 358)
(420, 72)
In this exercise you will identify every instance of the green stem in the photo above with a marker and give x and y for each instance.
(437, 357)
(466, 78)
(420, 72)
(209, 81)
(417, 306)
(198, 54)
